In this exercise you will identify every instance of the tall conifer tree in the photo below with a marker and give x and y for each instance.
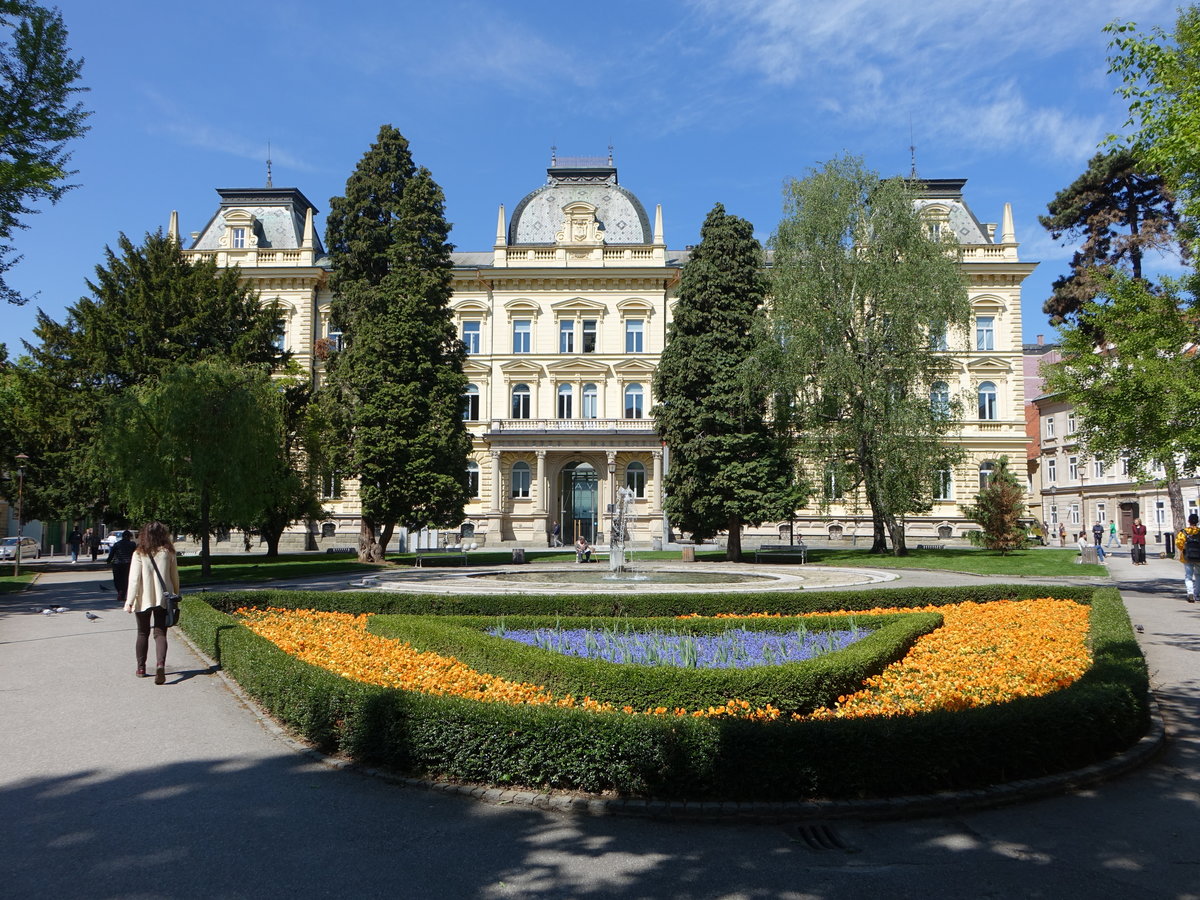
(396, 388)
(728, 466)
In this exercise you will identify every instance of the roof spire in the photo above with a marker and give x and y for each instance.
(269, 184)
(553, 155)
(610, 148)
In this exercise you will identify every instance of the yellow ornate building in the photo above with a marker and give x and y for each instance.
(565, 318)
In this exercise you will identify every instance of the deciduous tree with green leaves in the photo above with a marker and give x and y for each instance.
(731, 464)
(190, 447)
(1119, 211)
(396, 388)
(859, 288)
(999, 509)
(39, 115)
(1131, 371)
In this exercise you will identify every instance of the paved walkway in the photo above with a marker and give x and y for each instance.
(113, 787)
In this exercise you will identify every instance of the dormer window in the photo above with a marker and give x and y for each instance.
(237, 239)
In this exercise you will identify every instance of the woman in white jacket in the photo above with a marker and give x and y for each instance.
(144, 598)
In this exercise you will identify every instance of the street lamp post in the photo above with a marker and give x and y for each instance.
(21, 460)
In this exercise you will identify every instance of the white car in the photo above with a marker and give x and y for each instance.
(30, 549)
(106, 543)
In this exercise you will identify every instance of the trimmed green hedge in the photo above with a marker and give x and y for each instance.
(792, 687)
(1102, 713)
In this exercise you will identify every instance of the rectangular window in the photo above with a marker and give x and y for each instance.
(1124, 465)
(1049, 426)
(1192, 508)
(634, 337)
(937, 338)
(1074, 513)
(335, 340)
(238, 239)
(1101, 513)
(280, 335)
(566, 337)
(520, 481)
(522, 335)
(1072, 468)
(589, 336)
(1051, 471)
(1054, 515)
(331, 486)
(1070, 423)
(1098, 468)
(943, 485)
(1160, 513)
(985, 333)
(470, 336)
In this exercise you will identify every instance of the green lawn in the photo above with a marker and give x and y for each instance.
(11, 585)
(1041, 562)
(259, 568)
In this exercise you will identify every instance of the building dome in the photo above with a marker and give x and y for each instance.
(592, 180)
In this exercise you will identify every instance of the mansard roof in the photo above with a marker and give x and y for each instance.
(278, 218)
(592, 180)
(947, 194)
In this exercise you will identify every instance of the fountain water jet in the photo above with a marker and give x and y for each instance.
(616, 538)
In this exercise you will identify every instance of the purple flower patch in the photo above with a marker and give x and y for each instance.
(735, 648)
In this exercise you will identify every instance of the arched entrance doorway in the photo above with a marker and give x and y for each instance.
(578, 507)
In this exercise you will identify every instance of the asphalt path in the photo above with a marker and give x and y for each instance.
(112, 787)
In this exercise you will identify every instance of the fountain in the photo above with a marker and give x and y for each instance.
(618, 532)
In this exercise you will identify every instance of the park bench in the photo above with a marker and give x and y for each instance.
(780, 551)
(931, 546)
(439, 553)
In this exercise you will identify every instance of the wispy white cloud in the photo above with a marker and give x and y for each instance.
(178, 125)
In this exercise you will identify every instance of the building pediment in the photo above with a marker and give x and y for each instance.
(635, 306)
(634, 367)
(988, 366)
(578, 306)
(586, 367)
(472, 308)
(522, 306)
(475, 370)
(521, 370)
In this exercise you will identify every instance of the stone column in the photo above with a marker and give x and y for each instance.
(495, 505)
(542, 506)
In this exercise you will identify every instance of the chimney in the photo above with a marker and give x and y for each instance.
(1041, 340)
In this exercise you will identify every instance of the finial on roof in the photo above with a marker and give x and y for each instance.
(658, 231)
(269, 184)
(553, 155)
(1008, 234)
(307, 239)
(912, 149)
(610, 162)
(500, 239)
(173, 227)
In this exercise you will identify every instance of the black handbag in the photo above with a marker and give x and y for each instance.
(170, 599)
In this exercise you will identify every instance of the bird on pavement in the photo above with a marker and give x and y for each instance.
(47, 612)
(92, 616)
(100, 585)
(60, 609)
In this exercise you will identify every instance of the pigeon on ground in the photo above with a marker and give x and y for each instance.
(92, 616)
(1140, 630)
(60, 609)
(47, 612)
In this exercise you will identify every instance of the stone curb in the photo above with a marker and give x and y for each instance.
(906, 807)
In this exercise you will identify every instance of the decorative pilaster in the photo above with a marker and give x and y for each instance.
(656, 495)
(542, 506)
(495, 506)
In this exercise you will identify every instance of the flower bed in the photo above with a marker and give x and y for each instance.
(965, 740)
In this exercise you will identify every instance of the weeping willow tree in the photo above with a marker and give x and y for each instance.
(863, 295)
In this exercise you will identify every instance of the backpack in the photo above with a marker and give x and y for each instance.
(1191, 548)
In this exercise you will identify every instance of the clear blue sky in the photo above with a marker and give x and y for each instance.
(704, 101)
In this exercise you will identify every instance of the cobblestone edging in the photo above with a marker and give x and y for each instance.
(913, 806)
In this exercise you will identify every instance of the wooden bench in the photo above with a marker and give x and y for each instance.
(768, 551)
(931, 546)
(448, 553)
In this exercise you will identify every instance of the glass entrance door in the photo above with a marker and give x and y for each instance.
(578, 503)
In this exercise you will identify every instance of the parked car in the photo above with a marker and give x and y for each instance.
(106, 543)
(30, 548)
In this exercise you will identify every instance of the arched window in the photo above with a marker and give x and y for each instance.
(472, 478)
(939, 399)
(987, 400)
(633, 401)
(635, 479)
(471, 403)
(591, 406)
(564, 401)
(520, 401)
(520, 479)
(986, 470)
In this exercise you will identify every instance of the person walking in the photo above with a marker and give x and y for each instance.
(73, 542)
(1098, 533)
(1062, 535)
(153, 572)
(1187, 542)
(120, 557)
(556, 535)
(1113, 541)
(1138, 543)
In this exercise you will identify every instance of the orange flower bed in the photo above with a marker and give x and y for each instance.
(984, 653)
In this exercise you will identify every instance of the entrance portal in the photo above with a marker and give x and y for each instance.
(578, 509)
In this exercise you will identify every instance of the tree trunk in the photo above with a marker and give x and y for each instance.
(1174, 494)
(733, 543)
(368, 549)
(205, 528)
(385, 538)
(896, 530)
(272, 538)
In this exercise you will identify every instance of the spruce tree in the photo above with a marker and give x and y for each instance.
(998, 509)
(728, 466)
(396, 388)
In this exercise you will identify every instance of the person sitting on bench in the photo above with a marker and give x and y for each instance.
(583, 550)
